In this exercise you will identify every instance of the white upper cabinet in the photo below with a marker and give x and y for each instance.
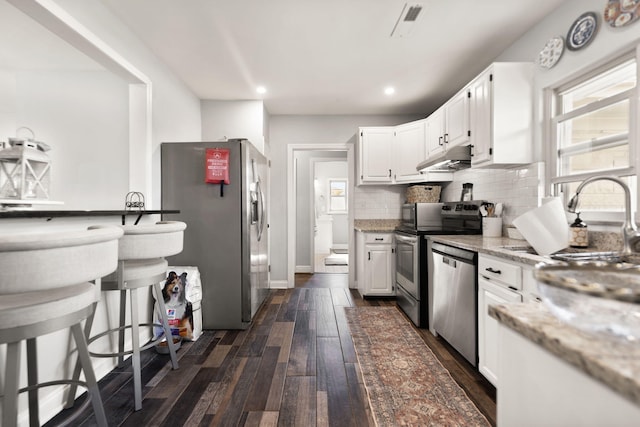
(375, 151)
(409, 148)
(448, 126)
(501, 115)
(456, 117)
(390, 154)
(435, 132)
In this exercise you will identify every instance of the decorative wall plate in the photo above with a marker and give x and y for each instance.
(551, 52)
(619, 13)
(582, 31)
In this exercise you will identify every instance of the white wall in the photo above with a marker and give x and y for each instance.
(83, 116)
(175, 109)
(234, 119)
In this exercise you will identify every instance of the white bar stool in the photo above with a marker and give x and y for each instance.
(44, 287)
(141, 264)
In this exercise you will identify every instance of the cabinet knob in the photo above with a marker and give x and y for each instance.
(440, 141)
(446, 138)
(491, 270)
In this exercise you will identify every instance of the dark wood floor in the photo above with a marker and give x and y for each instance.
(296, 365)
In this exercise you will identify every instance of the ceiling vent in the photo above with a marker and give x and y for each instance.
(407, 19)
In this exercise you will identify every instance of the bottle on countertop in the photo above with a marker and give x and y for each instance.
(578, 233)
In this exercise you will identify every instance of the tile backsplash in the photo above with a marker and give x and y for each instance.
(517, 189)
(378, 201)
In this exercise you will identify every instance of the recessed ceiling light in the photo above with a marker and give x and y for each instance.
(261, 89)
(389, 90)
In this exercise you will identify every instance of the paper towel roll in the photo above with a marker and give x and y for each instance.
(545, 227)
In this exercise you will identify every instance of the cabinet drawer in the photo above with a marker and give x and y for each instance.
(499, 270)
(378, 237)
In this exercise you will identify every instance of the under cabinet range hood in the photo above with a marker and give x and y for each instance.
(455, 158)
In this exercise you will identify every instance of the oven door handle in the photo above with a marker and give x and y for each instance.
(406, 239)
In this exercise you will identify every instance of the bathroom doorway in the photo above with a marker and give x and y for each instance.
(330, 215)
(301, 205)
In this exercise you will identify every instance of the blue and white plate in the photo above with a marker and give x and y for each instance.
(582, 31)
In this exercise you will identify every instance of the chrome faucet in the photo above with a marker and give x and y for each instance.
(630, 234)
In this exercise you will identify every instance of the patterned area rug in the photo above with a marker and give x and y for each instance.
(406, 383)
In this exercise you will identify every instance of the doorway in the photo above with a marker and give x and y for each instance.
(329, 231)
(299, 234)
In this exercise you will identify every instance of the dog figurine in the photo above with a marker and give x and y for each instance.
(179, 311)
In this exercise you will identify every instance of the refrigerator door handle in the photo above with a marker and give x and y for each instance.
(262, 211)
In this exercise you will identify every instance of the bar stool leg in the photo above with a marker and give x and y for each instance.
(11, 378)
(165, 325)
(135, 356)
(121, 333)
(71, 397)
(32, 379)
(92, 384)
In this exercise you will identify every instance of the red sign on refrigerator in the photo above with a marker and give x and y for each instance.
(217, 166)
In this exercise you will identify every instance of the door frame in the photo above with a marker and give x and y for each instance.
(312, 172)
(292, 149)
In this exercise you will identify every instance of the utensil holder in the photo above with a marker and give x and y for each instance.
(492, 226)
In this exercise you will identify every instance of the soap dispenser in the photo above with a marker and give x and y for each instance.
(578, 233)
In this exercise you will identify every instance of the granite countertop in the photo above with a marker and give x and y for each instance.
(496, 246)
(613, 361)
(376, 225)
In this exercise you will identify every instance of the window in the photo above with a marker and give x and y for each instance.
(591, 131)
(337, 195)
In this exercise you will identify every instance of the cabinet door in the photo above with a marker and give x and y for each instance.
(410, 149)
(434, 127)
(480, 114)
(490, 294)
(456, 113)
(379, 269)
(376, 154)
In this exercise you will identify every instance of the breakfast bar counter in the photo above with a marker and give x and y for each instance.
(83, 213)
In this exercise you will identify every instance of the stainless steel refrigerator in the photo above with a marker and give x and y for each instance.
(226, 235)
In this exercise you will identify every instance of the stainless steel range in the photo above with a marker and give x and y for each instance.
(411, 251)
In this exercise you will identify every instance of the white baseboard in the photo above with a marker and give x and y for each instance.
(279, 284)
(303, 269)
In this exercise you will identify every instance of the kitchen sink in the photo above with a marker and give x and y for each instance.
(577, 255)
(520, 249)
(595, 296)
(587, 256)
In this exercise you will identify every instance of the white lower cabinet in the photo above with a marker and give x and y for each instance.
(375, 263)
(499, 282)
(490, 294)
(538, 388)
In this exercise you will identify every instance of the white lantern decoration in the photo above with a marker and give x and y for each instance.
(25, 170)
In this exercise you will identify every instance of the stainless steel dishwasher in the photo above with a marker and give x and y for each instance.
(455, 295)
